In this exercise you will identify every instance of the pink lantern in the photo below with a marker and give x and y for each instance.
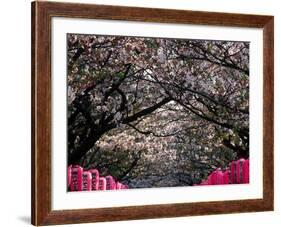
(246, 171)
(76, 183)
(69, 175)
(102, 183)
(87, 181)
(95, 179)
(118, 185)
(212, 179)
(110, 183)
(124, 186)
(239, 170)
(226, 177)
(232, 170)
(219, 175)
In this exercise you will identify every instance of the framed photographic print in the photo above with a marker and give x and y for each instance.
(144, 113)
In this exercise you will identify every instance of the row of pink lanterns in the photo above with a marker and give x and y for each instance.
(80, 180)
(237, 173)
(90, 180)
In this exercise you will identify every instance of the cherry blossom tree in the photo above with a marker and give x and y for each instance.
(157, 111)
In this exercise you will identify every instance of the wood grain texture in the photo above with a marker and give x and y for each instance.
(268, 113)
(41, 113)
(42, 12)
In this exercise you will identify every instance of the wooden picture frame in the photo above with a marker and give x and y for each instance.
(42, 12)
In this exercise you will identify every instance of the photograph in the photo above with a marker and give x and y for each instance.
(142, 112)
(148, 112)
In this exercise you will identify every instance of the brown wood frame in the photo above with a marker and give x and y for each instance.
(42, 12)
